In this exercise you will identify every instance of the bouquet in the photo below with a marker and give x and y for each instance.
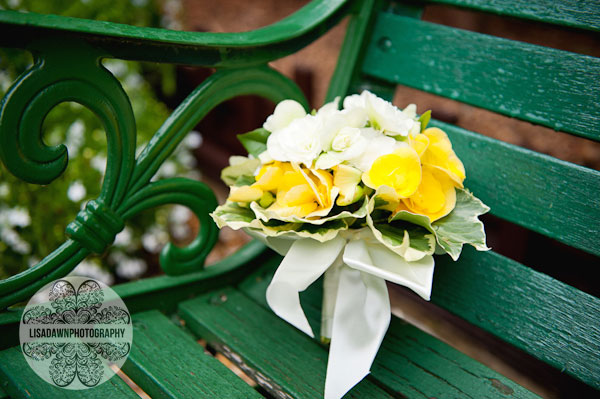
(359, 195)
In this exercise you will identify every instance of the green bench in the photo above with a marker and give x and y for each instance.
(386, 44)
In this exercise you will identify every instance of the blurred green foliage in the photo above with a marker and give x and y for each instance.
(33, 217)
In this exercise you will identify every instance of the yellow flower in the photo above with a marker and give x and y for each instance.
(400, 170)
(298, 191)
(439, 154)
(435, 197)
(245, 194)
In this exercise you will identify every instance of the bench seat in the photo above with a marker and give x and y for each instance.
(166, 361)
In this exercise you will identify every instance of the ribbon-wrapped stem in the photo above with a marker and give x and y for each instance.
(356, 306)
(331, 281)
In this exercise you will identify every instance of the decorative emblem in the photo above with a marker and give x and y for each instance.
(76, 333)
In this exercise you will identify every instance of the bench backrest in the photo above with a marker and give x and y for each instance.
(548, 319)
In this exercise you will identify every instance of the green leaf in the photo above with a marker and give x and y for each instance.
(235, 216)
(459, 227)
(407, 240)
(346, 212)
(255, 142)
(462, 226)
(424, 119)
(244, 181)
(324, 232)
(240, 172)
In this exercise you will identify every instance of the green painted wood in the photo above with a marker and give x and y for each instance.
(544, 86)
(283, 358)
(582, 14)
(410, 362)
(165, 292)
(552, 321)
(192, 48)
(20, 381)
(544, 194)
(166, 362)
(347, 68)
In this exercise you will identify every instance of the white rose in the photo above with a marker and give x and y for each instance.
(347, 144)
(382, 114)
(376, 145)
(285, 112)
(298, 142)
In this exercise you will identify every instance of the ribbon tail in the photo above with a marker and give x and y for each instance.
(361, 318)
(331, 281)
(379, 261)
(304, 263)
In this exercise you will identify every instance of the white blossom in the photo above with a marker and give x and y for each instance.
(154, 239)
(93, 270)
(131, 268)
(75, 137)
(383, 115)
(376, 146)
(124, 238)
(76, 191)
(193, 140)
(4, 190)
(285, 112)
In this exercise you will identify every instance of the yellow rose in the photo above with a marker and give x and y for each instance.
(435, 197)
(298, 191)
(400, 170)
(439, 154)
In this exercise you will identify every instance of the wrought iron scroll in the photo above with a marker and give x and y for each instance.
(71, 70)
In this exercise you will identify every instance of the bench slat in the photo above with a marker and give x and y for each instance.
(552, 321)
(410, 362)
(167, 363)
(20, 381)
(285, 358)
(541, 85)
(583, 14)
(544, 194)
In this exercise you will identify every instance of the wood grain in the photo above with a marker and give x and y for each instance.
(20, 381)
(287, 363)
(552, 197)
(410, 362)
(168, 363)
(541, 85)
(552, 321)
(582, 14)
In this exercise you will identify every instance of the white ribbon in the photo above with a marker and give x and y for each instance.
(356, 306)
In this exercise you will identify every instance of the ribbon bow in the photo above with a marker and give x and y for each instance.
(356, 307)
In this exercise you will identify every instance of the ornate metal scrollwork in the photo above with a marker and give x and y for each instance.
(72, 71)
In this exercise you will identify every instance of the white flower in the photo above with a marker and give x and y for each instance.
(14, 240)
(298, 142)
(76, 191)
(124, 238)
(383, 115)
(154, 239)
(75, 137)
(17, 217)
(92, 269)
(376, 146)
(285, 112)
(193, 140)
(98, 162)
(131, 268)
(347, 144)
(4, 190)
